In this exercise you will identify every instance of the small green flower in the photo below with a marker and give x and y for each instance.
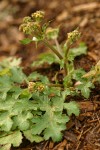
(73, 36)
(40, 87)
(27, 30)
(27, 19)
(38, 16)
(31, 86)
(29, 27)
(36, 25)
(22, 26)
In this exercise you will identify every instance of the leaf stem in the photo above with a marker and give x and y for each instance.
(66, 58)
(53, 49)
(57, 45)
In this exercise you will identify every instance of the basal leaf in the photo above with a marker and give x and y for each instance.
(25, 94)
(72, 108)
(40, 123)
(17, 75)
(10, 62)
(52, 90)
(85, 92)
(56, 123)
(78, 74)
(5, 86)
(14, 138)
(28, 134)
(22, 121)
(7, 104)
(5, 122)
(65, 93)
(57, 103)
(54, 131)
(23, 105)
(15, 91)
(85, 87)
(34, 76)
(51, 124)
(5, 147)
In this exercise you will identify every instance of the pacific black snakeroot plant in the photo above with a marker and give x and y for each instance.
(62, 54)
(33, 106)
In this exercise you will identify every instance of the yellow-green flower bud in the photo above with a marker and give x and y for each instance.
(73, 36)
(36, 25)
(27, 19)
(38, 16)
(40, 88)
(31, 86)
(27, 30)
(22, 26)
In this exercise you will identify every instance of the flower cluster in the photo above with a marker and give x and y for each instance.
(32, 86)
(73, 36)
(38, 16)
(32, 24)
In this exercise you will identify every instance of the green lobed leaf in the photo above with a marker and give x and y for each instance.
(72, 108)
(53, 121)
(17, 75)
(40, 123)
(5, 122)
(14, 138)
(85, 87)
(5, 147)
(28, 134)
(23, 105)
(52, 125)
(25, 94)
(7, 104)
(77, 51)
(37, 114)
(5, 85)
(15, 91)
(78, 74)
(10, 62)
(22, 121)
(34, 76)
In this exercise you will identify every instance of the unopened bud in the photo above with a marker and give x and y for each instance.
(31, 86)
(40, 88)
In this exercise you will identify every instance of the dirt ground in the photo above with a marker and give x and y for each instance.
(83, 132)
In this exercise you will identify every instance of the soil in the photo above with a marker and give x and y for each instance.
(83, 132)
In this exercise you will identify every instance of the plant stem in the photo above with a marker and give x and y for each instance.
(66, 58)
(53, 49)
(57, 45)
